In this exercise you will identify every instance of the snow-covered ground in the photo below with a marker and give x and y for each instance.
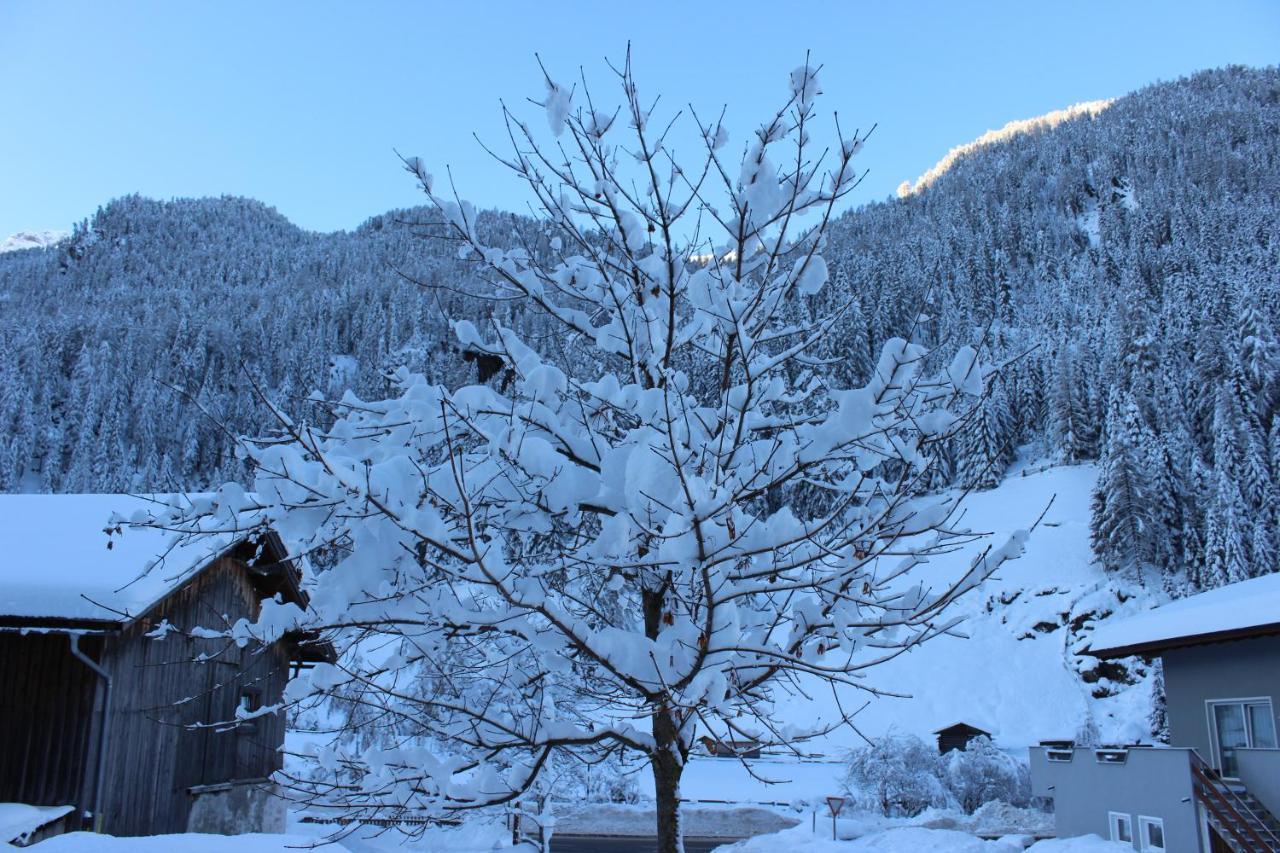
(90, 842)
(915, 840)
(699, 821)
(1012, 674)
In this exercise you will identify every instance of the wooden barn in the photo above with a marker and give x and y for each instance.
(108, 702)
(957, 736)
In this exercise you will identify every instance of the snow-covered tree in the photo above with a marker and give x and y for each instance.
(982, 772)
(985, 443)
(896, 776)
(666, 520)
(1122, 504)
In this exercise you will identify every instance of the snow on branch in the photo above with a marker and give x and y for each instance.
(660, 523)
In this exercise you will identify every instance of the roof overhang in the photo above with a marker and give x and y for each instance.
(1154, 647)
(962, 727)
(54, 625)
(271, 571)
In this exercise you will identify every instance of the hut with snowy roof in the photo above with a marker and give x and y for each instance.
(957, 736)
(119, 693)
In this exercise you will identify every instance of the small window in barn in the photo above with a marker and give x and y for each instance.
(1151, 833)
(250, 701)
(1121, 827)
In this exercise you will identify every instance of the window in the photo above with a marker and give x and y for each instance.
(1240, 724)
(1151, 833)
(250, 700)
(1121, 827)
(1111, 756)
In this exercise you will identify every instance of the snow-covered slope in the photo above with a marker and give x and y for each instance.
(1015, 674)
(31, 240)
(991, 137)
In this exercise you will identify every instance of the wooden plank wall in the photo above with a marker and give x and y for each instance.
(164, 687)
(46, 714)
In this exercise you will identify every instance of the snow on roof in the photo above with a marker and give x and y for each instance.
(1217, 614)
(961, 725)
(55, 563)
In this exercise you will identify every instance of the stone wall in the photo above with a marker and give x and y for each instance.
(236, 808)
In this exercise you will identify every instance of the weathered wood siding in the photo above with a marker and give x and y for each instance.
(46, 714)
(163, 689)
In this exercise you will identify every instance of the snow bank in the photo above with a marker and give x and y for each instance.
(91, 842)
(479, 836)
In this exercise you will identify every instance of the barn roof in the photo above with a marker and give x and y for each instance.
(59, 566)
(961, 728)
(1246, 609)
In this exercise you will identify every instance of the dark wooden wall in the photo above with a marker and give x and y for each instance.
(164, 693)
(46, 706)
(169, 692)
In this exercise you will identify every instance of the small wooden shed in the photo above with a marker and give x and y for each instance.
(957, 736)
(109, 700)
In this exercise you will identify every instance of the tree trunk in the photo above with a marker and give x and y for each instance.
(668, 764)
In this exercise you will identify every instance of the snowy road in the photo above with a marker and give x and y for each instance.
(602, 844)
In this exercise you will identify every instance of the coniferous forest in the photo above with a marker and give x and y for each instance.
(1123, 264)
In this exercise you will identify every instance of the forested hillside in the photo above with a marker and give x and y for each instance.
(1125, 262)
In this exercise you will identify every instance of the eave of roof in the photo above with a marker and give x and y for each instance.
(1152, 647)
(968, 726)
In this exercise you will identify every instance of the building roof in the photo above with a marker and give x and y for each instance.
(965, 728)
(57, 560)
(1246, 609)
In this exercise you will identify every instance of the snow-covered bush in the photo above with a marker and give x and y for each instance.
(982, 772)
(610, 780)
(896, 776)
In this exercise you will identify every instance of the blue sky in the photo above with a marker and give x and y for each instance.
(301, 104)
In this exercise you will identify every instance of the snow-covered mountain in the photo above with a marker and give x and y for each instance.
(32, 240)
(1027, 125)
(1124, 259)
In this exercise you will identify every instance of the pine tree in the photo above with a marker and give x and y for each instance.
(1227, 535)
(984, 444)
(1122, 512)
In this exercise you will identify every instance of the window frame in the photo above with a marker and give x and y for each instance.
(1211, 721)
(254, 695)
(1114, 820)
(1144, 823)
